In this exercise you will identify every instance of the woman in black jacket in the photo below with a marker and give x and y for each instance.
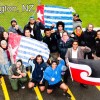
(63, 44)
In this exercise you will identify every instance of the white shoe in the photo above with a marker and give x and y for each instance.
(23, 87)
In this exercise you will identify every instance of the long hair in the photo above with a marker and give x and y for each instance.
(39, 56)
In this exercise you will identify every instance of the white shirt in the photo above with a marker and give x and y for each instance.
(74, 53)
(32, 29)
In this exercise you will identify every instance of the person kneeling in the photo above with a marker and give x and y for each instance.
(53, 76)
(38, 67)
(17, 75)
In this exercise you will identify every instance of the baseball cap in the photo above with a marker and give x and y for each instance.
(31, 17)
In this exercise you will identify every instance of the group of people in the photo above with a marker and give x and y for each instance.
(78, 45)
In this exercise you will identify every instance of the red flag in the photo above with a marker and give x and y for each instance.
(81, 73)
(40, 13)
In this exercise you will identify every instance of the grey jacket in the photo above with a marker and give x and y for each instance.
(12, 29)
(80, 53)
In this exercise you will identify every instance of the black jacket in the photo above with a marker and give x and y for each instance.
(79, 38)
(36, 30)
(64, 46)
(1, 29)
(97, 47)
(51, 42)
(89, 39)
(38, 71)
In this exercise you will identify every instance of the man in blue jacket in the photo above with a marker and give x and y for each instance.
(53, 76)
(38, 67)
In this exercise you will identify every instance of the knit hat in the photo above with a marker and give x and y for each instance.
(13, 20)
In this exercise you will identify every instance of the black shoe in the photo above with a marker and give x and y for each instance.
(67, 94)
(84, 86)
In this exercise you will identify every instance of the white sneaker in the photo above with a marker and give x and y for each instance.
(23, 87)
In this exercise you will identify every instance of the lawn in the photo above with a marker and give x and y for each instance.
(89, 10)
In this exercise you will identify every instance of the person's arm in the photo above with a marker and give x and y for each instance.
(61, 61)
(41, 26)
(60, 47)
(20, 29)
(31, 63)
(19, 32)
(11, 74)
(46, 75)
(67, 56)
(1, 56)
(85, 49)
(95, 57)
(23, 73)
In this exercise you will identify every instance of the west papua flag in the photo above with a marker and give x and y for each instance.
(49, 15)
(23, 48)
(85, 71)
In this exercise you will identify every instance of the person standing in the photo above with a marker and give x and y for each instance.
(51, 41)
(89, 40)
(14, 26)
(63, 44)
(60, 29)
(96, 54)
(35, 26)
(77, 35)
(76, 52)
(5, 58)
(76, 21)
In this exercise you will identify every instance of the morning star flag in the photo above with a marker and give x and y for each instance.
(49, 15)
(24, 48)
(85, 71)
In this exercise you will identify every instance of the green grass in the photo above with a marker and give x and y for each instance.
(89, 10)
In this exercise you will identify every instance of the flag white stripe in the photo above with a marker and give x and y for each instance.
(67, 26)
(49, 14)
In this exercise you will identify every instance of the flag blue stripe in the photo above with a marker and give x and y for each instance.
(58, 17)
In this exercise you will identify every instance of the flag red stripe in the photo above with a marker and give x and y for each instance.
(41, 9)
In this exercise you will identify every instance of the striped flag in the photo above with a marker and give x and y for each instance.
(49, 15)
(24, 48)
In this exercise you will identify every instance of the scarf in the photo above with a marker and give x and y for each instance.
(64, 39)
(78, 33)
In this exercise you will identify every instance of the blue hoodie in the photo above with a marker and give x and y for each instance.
(54, 73)
(37, 70)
